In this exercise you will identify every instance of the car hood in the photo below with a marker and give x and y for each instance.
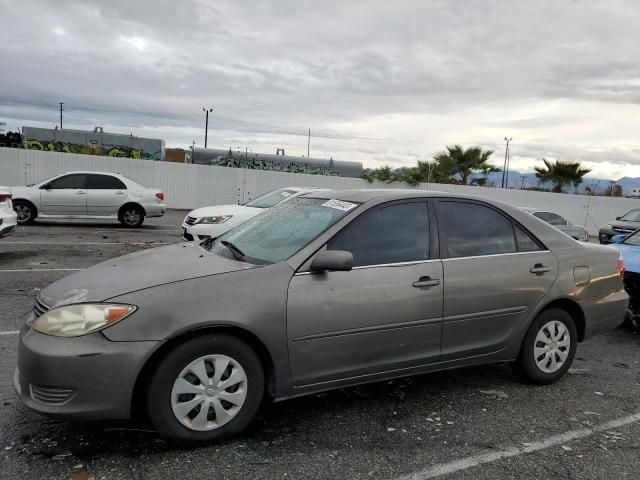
(225, 210)
(630, 256)
(138, 271)
(631, 226)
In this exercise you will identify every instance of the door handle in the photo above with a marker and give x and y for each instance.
(80, 192)
(119, 193)
(540, 269)
(426, 282)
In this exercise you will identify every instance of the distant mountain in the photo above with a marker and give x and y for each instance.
(530, 181)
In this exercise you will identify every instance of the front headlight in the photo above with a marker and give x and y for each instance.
(211, 220)
(607, 226)
(80, 319)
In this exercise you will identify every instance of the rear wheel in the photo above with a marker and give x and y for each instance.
(131, 216)
(207, 389)
(25, 211)
(549, 347)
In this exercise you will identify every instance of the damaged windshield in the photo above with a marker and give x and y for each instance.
(282, 231)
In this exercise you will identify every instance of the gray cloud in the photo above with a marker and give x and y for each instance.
(274, 68)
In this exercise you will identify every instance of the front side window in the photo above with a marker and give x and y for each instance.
(270, 199)
(281, 231)
(472, 230)
(105, 182)
(393, 234)
(76, 181)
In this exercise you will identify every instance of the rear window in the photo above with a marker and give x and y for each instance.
(105, 182)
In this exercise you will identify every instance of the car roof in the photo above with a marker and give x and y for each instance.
(85, 172)
(367, 194)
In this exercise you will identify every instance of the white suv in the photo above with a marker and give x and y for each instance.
(88, 195)
(7, 215)
(211, 222)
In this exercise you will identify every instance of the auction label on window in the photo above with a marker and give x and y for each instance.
(339, 205)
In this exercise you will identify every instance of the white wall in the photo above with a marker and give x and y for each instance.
(188, 186)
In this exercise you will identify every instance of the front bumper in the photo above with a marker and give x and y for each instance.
(604, 313)
(201, 232)
(6, 230)
(604, 235)
(88, 377)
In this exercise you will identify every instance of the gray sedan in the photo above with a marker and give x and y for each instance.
(328, 290)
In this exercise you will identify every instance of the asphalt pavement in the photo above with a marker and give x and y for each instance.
(473, 423)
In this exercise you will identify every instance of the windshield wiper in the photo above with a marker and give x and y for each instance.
(235, 251)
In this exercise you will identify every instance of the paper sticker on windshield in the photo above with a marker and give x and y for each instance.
(339, 205)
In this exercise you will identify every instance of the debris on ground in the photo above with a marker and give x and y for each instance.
(494, 393)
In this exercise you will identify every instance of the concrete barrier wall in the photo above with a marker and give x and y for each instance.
(189, 186)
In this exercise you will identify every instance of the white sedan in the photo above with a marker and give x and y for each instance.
(211, 222)
(88, 195)
(7, 215)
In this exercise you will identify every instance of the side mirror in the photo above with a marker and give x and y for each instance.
(618, 218)
(336, 260)
(46, 186)
(618, 238)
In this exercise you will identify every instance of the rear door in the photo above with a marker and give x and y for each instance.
(105, 194)
(65, 195)
(384, 314)
(495, 273)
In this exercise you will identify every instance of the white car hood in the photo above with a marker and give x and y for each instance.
(225, 210)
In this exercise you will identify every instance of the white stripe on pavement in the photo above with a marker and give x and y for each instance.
(41, 270)
(10, 332)
(513, 451)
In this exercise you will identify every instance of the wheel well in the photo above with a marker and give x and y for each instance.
(142, 382)
(31, 204)
(573, 309)
(131, 204)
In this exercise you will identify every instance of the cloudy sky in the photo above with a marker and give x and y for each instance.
(385, 82)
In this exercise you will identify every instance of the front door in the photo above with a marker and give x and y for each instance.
(105, 195)
(495, 275)
(384, 314)
(66, 195)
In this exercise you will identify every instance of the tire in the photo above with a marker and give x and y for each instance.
(26, 212)
(557, 329)
(131, 216)
(167, 387)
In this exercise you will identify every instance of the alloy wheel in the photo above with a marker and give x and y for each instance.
(131, 216)
(209, 392)
(23, 213)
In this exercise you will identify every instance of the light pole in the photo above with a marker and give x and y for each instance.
(505, 170)
(206, 123)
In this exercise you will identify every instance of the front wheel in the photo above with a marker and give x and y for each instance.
(549, 347)
(131, 216)
(25, 212)
(207, 389)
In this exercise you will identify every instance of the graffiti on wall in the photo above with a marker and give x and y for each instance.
(93, 148)
(272, 165)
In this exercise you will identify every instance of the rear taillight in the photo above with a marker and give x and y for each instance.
(160, 196)
(621, 267)
(4, 197)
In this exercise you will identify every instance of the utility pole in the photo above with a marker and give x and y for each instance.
(206, 124)
(308, 143)
(505, 170)
(61, 104)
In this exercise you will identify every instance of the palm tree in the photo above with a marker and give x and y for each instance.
(463, 164)
(561, 174)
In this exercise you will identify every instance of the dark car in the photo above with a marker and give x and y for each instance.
(624, 225)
